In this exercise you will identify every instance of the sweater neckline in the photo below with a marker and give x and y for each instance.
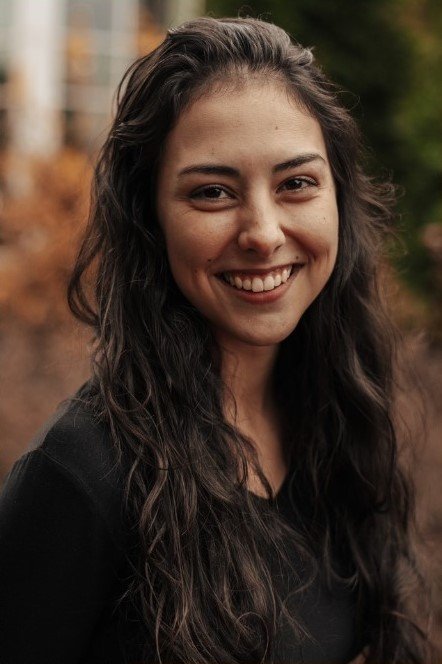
(278, 493)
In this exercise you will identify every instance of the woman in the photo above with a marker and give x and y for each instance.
(225, 487)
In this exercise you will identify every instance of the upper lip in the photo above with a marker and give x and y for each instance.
(263, 270)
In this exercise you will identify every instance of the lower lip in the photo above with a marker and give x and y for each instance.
(264, 297)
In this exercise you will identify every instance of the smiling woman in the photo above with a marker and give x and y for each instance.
(262, 217)
(225, 488)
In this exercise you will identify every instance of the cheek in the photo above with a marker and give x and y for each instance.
(319, 234)
(326, 229)
(191, 247)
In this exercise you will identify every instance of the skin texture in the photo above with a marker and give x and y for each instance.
(258, 219)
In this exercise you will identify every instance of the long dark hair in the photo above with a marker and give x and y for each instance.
(201, 585)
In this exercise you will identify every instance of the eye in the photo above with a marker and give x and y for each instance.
(297, 184)
(210, 193)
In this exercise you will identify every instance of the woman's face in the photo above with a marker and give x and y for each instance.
(247, 204)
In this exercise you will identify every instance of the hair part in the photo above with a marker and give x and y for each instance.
(156, 382)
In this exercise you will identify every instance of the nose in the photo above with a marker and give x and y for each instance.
(261, 230)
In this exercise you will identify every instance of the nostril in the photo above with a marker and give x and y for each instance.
(257, 241)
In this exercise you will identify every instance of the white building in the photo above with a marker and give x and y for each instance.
(61, 60)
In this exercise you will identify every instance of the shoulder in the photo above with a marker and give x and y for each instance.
(78, 447)
(64, 543)
(74, 438)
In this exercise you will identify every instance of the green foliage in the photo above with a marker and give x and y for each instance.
(386, 55)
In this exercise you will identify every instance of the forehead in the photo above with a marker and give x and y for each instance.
(255, 122)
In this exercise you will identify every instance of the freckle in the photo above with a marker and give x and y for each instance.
(276, 127)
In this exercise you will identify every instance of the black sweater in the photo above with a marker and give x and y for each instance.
(63, 565)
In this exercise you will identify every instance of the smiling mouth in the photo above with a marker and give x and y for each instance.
(260, 283)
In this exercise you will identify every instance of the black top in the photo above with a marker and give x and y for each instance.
(63, 542)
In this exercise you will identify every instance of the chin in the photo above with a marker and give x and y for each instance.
(256, 337)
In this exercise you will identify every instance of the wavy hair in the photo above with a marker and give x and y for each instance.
(200, 583)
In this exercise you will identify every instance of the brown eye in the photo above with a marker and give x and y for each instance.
(210, 193)
(297, 184)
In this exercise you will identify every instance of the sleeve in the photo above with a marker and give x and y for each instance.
(56, 564)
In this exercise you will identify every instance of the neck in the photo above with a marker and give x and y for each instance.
(247, 371)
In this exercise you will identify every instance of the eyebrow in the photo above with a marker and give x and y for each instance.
(219, 169)
(300, 160)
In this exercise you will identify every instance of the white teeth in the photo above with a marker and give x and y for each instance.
(258, 284)
(269, 283)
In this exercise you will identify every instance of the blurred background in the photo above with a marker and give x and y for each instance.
(60, 62)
